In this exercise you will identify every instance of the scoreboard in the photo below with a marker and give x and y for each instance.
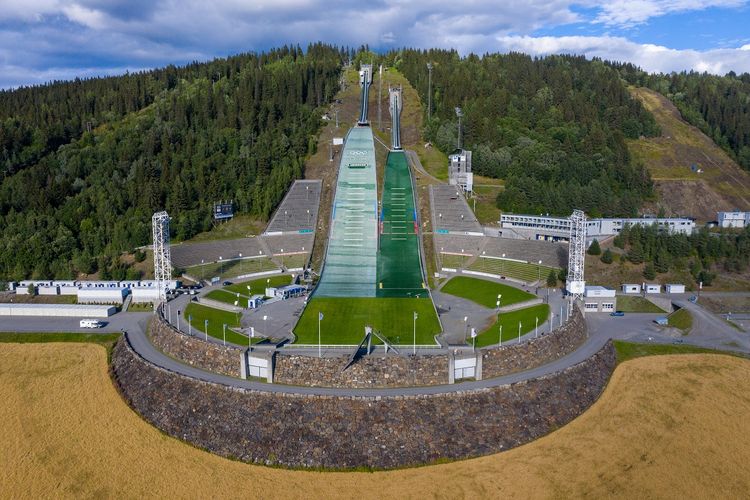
(223, 211)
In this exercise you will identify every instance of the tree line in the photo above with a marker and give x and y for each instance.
(718, 105)
(553, 127)
(86, 163)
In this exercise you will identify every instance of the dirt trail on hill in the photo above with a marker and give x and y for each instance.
(720, 185)
(668, 426)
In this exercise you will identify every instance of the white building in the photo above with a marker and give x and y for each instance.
(733, 219)
(545, 227)
(459, 170)
(631, 288)
(57, 310)
(653, 288)
(675, 288)
(599, 299)
(102, 295)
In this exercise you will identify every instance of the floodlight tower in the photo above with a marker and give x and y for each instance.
(429, 91)
(162, 258)
(459, 114)
(574, 283)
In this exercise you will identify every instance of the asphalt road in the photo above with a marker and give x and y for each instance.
(708, 331)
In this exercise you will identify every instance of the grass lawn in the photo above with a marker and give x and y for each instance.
(259, 285)
(216, 319)
(241, 226)
(634, 304)
(681, 319)
(485, 292)
(39, 337)
(523, 271)
(509, 322)
(344, 320)
(227, 297)
(630, 350)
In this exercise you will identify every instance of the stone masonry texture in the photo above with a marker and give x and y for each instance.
(194, 351)
(347, 432)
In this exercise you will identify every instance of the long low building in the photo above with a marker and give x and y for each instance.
(541, 227)
(57, 310)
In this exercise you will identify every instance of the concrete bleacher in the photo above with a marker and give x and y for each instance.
(298, 210)
(289, 243)
(551, 254)
(194, 254)
(451, 212)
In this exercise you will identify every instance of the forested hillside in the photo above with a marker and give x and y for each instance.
(553, 128)
(84, 164)
(718, 105)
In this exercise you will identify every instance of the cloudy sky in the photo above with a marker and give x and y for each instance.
(42, 40)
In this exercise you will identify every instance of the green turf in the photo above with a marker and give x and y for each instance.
(681, 319)
(227, 297)
(635, 304)
(258, 286)
(485, 292)
(41, 337)
(231, 268)
(509, 321)
(399, 266)
(216, 318)
(344, 320)
(523, 271)
(630, 350)
(295, 261)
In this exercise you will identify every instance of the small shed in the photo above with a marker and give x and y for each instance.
(255, 301)
(631, 288)
(675, 288)
(653, 288)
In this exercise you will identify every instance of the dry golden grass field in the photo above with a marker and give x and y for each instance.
(672, 426)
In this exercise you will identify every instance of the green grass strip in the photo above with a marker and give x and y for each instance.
(485, 292)
(509, 321)
(631, 350)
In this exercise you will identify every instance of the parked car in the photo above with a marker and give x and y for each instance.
(693, 299)
(226, 283)
(617, 313)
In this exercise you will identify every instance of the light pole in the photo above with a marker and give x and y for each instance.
(539, 273)
(500, 334)
(320, 344)
(414, 348)
(459, 114)
(225, 333)
(205, 328)
(221, 267)
(502, 265)
(265, 325)
(519, 332)
(203, 272)
(429, 91)
(190, 325)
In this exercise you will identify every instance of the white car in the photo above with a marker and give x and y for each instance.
(91, 323)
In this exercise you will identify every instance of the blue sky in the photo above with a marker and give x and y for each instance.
(43, 40)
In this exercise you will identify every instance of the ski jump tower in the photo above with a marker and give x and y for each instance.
(395, 107)
(162, 258)
(365, 80)
(574, 283)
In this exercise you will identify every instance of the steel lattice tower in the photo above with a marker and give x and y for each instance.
(162, 258)
(574, 283)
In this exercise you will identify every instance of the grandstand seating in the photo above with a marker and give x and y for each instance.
(528, 273)
(191, 254)
(450, 210)
(298, 210)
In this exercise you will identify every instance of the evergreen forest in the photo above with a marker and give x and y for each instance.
(85, 163)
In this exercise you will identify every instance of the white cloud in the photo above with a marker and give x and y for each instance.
(632, 12)
(100, 35)
(652, 58)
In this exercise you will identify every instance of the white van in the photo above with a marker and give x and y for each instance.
(90, 323)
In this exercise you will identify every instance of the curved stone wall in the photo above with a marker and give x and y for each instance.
(226, 360)
(346, 432)
(512, 358)
(400, 371)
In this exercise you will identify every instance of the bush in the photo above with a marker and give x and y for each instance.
(607, 256)
(594, 248)
(552, 278)
(649, 272)
(139, 255)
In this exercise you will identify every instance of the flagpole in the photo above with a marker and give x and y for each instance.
(536, 327)
(414, 348)
(501, 335)
(319, 343)
(519, 332)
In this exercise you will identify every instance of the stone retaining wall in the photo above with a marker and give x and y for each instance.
(513, 358)
(368, 371)
(347, 432)
(194, 351)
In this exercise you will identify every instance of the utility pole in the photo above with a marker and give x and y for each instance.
(380, 99)
(429, 91)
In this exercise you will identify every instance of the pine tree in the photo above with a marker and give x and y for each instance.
(649, 272)
(594, 248)
(552, 279)
(607, 256)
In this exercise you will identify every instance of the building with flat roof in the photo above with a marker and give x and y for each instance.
(599, 299)
(459, 170)
(733, 219)
(545, 227)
